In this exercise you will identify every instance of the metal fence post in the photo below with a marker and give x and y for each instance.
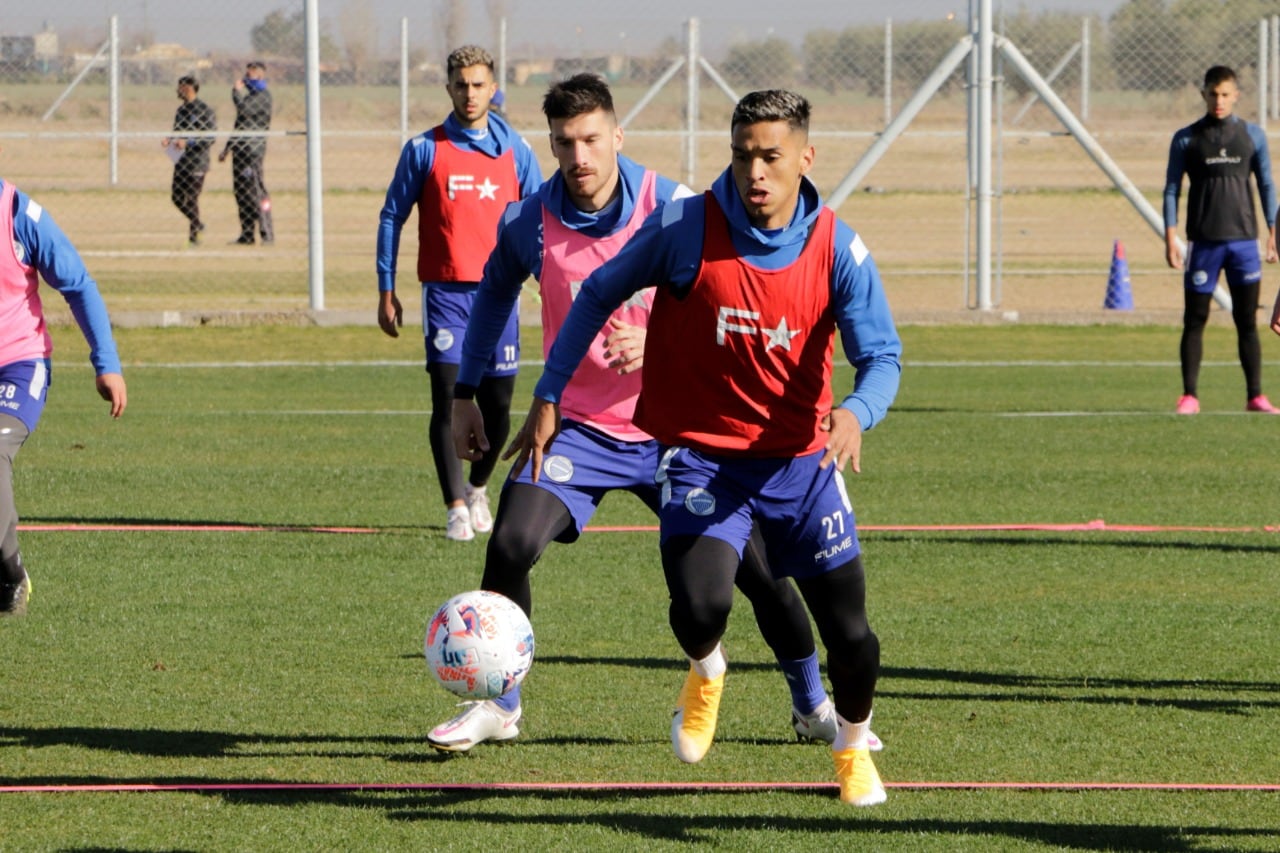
(315, 179)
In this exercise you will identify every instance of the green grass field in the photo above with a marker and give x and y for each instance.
(282, 656)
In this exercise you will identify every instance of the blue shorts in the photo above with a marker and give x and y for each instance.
(24, 386)
(445, 310)
(583, 465)
(803, 511)
(1206, 259)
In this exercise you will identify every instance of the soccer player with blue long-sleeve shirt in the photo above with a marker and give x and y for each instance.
(753, 279)
(33, 247)
(1219, 154)
(460, 175)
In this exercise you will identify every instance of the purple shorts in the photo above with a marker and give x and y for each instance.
(445, 310)
(803, 511)
(583, 465)
(24, 386)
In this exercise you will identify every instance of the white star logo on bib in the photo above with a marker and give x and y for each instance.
(488, 190)
(779, 337)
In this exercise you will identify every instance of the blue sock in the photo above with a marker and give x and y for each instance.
(805, 682)
(510, 700)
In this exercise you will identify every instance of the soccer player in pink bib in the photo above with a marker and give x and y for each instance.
(34, 247)
(753, 279)
(582, 216)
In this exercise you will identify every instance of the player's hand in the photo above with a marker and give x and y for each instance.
(534, 438)
(1271, 249)
(390, 314)
(112, 389)
(1173, 255)
(624, 347)
(469, 440)
(844, 440)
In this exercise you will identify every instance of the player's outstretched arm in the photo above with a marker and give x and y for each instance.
(469, 440)
(534, 438)
(111, 388)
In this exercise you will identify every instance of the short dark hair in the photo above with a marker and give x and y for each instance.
(188, 80)
(1218, 74)
(257, 63)
(578, 95)
(772, 105)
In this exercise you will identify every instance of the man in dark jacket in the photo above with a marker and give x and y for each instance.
(253, 113)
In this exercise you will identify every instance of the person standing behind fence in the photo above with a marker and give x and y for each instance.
(248, 153)
(189, 169)
(1218, 154)
(33, 246)
(461, 174)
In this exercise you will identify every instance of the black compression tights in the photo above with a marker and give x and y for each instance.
(700, 571)
(530, 518)
(493, 396)
(1244, 312)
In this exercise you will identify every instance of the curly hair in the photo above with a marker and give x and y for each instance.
(467, 56)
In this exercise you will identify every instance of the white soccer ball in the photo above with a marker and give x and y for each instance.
(479, 645)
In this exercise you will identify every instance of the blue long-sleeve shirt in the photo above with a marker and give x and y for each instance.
(518, 253)
(1218, 156)
(416, 159)
(667, 252)
(47, 248)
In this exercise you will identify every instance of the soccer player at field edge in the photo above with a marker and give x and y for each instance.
(35, 247)
(1218, 154)
(753, 278)
(461, 174)
(581, 216)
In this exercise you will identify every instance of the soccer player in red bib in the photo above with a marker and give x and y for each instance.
(461, 175)
(753, 278)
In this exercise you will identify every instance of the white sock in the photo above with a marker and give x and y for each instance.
(851, 735)
(712, 666)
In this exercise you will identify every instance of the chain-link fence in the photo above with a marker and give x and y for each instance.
(86, 109)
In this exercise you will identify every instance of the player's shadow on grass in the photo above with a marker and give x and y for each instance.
(609, 811)
(1040, 689)
(162, 743)
(1098, 539)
